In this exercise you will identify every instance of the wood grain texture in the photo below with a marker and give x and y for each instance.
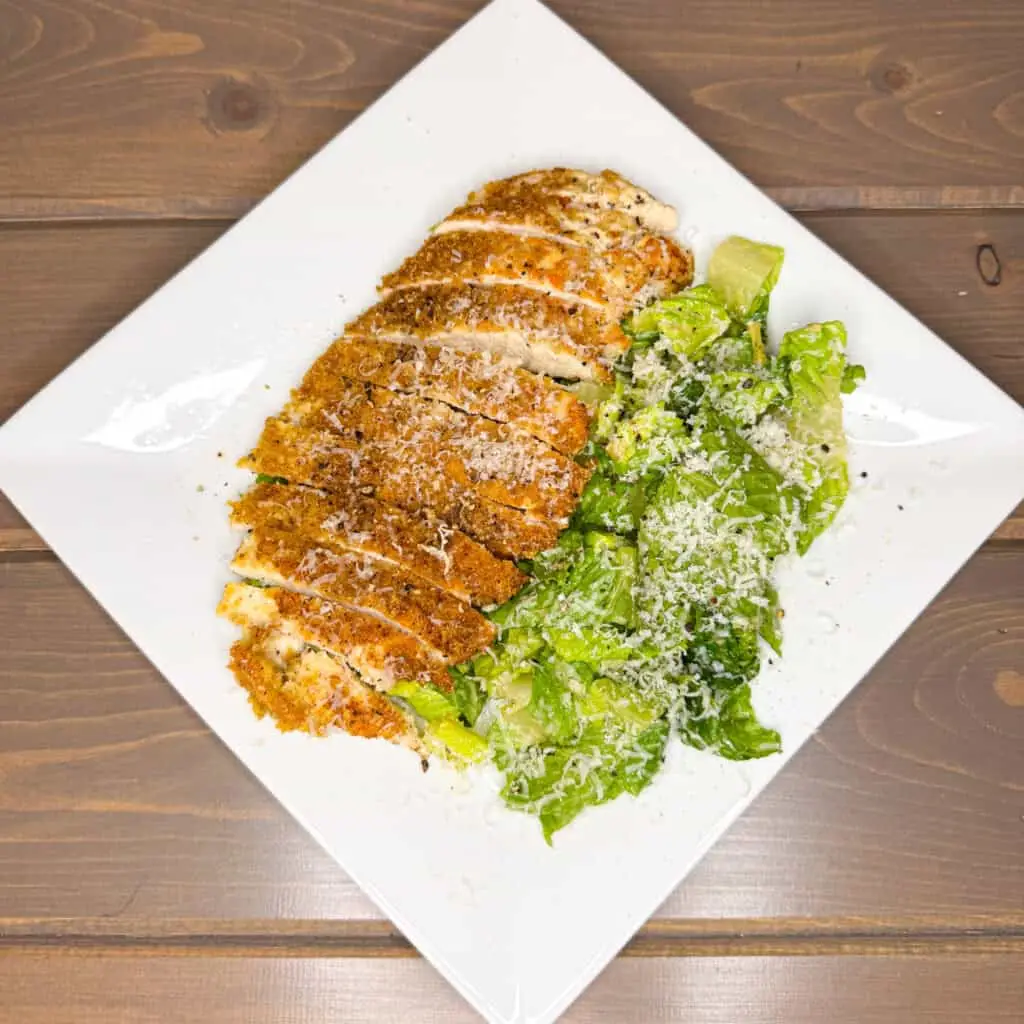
(116, 803)
(147, 877)
(979, 989)
(220, 99)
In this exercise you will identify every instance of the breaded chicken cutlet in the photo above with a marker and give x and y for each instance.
(434, 443)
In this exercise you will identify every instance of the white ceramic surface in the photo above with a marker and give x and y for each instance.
(133, 430)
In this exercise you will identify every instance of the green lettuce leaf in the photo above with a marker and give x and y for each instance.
(814, 360)
(609, 503)
(724, 721)
(650, 439)
(685, 324)
(426, 700)
(744, 273)
(455, 741)
(557, 783)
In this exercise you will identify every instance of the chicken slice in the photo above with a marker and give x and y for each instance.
(604, 191)
(494, 459)
(421, 544)
(536, 331)
(597, 211)
(483, 383)
(380, 652)
(451, 627)
(309, 690)
(323, 459)
(614, 281)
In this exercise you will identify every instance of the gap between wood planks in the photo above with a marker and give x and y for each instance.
(797, 199)
(378, 939)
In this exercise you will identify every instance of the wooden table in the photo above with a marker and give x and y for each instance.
(147, 877)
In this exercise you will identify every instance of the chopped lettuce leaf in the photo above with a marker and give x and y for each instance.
(609, 503)
(467, 694)
(814, 359)
(724, 722)
(649, 439)
(456, 741)
(426, 700)
(557, 783)
(685, 324)
(552, 704)
(744, 273)
(853, 375)
(744, 396)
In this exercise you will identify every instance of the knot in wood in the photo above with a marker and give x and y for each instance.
(236, 106)
(990, 268)
(892, 77)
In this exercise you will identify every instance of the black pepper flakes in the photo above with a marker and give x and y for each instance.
(863, 474)
(825, 448)
(900, 507)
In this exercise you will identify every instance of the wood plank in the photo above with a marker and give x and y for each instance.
(210, 99)
(48, 989)
(115, 802)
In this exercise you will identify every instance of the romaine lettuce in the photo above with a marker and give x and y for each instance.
(684, 324)
(744, 273)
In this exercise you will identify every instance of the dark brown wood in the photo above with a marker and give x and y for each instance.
(82, 989)
(201, 99)
(117, 803)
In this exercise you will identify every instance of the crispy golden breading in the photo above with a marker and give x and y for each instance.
(539, 332)
(614, 281)
(420, 543)
(325, 460)
(380, 652)
(476, 382)
(604, 191)
(494, 459)
(308, 690)
(596, 211)
(450, 626)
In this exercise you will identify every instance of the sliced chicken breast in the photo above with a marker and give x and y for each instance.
(494, 459)
(380, 652)
(309, 690)
(421, 544)
(451, 627)
(604, 191)
(529, 328)
(614, 281)
(325, 460)
(483, 383)
(597, 211)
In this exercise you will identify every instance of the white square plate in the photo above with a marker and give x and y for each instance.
(118, 464)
